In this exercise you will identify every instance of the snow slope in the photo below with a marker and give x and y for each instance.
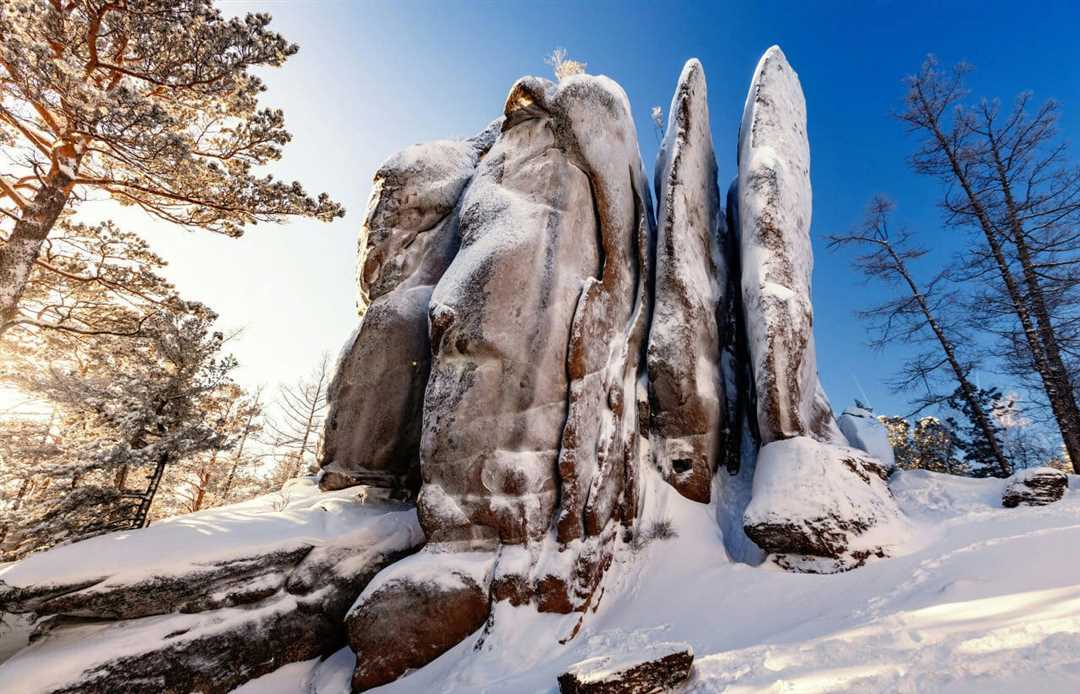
(981, 599)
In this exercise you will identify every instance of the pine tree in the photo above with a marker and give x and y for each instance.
(983, 459)
(151, 102)
(936, 446)
(898, 430)
(129, 408)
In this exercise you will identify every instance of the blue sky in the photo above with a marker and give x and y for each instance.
(371, 78)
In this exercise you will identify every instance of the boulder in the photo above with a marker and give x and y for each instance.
(659, 667)
(821, 508)
(414, 613)
(409, 237)
(687, 335)
(863, 431)
(774, 218)
(1034, 487)
(206, 601)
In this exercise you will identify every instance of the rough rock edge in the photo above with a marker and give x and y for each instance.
(658, 668)
(689, 411)
(1034, 487)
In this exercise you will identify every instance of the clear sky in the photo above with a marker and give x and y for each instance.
(372, 78)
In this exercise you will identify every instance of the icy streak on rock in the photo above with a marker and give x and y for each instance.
(689, 409)
(777, 259)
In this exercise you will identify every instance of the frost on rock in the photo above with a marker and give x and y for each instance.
(821, 507)
(1034, 487)
(813, 497)
(689, 335)
(777, 259)
(202, 602)
(863, 431)
(409, 237)
(530, 433)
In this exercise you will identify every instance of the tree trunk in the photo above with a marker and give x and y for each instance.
(977, 413)
(142, 513)
(1061, 413)
(19, 252)
(1059, 389)
(200, 497)
(235, 463)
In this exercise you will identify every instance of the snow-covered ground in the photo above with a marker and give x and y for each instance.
(979, 599)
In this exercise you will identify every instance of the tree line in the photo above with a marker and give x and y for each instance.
(134, 412)
(1008, 303)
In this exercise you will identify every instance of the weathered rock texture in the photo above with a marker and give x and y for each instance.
(777, 259)
(203, 603)
(429, 614)
(689, 332)
(409, 238)
(832, 496)
(530, 430)
(660, 667)
(1034, 487)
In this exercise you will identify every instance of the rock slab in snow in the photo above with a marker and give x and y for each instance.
(206, 601)
(777, 259)
(687, 339)
(820, 507)
(1034, 487)
(657, 668)
(423, 617)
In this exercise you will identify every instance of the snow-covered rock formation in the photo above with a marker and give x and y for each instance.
(1034, 487)
(690, 330)
(813, 497)
(774, 217)
(863, 431)
(409, 237)
(206, 601)
(530, 432)
(557, 381)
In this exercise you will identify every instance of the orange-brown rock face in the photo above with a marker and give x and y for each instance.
(409, 237)
(529, 447)
(689, 334)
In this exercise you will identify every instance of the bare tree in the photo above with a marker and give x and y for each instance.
(1006, 177)
(914, 315)
(301, 410)
(250, 412)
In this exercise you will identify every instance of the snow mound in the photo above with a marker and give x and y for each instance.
(863, 431)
